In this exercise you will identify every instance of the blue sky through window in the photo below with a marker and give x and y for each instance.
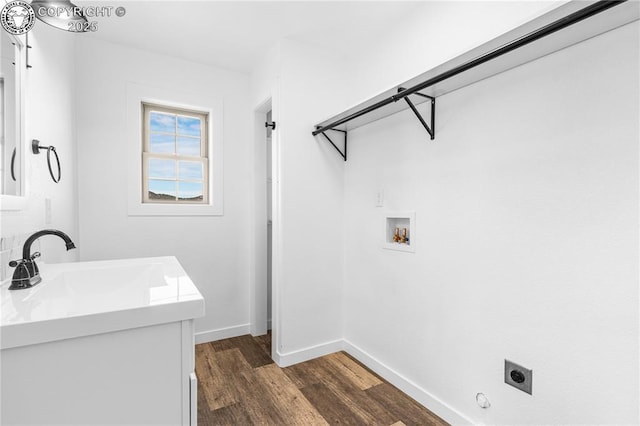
(160, 168)
(189, 126)
(160, 122)
(190, 189)
(176, 137)
(166, 177)
(190, 170)
(166, 187)
(159, 142)
(188, 146)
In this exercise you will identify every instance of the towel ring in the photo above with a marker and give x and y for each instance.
(13, 163)
(35, 147)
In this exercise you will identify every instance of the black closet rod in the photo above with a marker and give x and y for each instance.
(551, 28)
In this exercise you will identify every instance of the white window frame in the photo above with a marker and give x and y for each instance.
(147, 154)
(175, 99)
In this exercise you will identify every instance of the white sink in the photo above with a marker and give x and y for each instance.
(76, 299)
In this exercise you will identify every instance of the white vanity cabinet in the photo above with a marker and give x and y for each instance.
(88, 364)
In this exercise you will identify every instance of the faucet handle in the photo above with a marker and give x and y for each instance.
(15, 263)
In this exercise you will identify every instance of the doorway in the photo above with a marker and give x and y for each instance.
(265, 226)
(269, 125)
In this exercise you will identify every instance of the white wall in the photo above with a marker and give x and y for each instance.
(212, 249)
(308, 198)
(526, 240)
(308, 85)
(50, 112)
(311, 185)
(434, 33)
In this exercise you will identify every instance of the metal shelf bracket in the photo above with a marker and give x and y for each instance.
(430, 129)
(490, 51)
(343, 154)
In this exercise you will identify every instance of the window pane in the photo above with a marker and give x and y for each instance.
(189, 126)
(162, 143)
(190, 191)
(160, 122)
(174, 155)
(190, 170)
(162, 168)
(162, 189)
(188, 146)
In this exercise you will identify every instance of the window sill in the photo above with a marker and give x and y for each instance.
(139, 209)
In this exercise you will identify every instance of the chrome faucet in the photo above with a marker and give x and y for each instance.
(26, 274)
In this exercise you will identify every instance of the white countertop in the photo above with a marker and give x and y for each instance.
(86, 298)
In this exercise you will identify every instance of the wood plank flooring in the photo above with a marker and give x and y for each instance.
(239, 384)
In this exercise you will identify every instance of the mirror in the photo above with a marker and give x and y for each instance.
(11, 121)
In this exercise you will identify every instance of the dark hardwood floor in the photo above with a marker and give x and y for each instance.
(239, 384)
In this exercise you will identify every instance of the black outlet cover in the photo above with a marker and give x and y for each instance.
(518, 376)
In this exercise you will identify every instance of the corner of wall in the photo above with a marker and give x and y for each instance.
(423, 396)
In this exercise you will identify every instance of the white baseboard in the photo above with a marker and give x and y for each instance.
(294, 357)
(421, 395)
(222, 333)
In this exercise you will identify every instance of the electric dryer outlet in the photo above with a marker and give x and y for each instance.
(518, 376)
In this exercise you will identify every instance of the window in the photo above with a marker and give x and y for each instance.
(175, 157)
(177, 142)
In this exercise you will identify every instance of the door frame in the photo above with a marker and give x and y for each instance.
(258, 255)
